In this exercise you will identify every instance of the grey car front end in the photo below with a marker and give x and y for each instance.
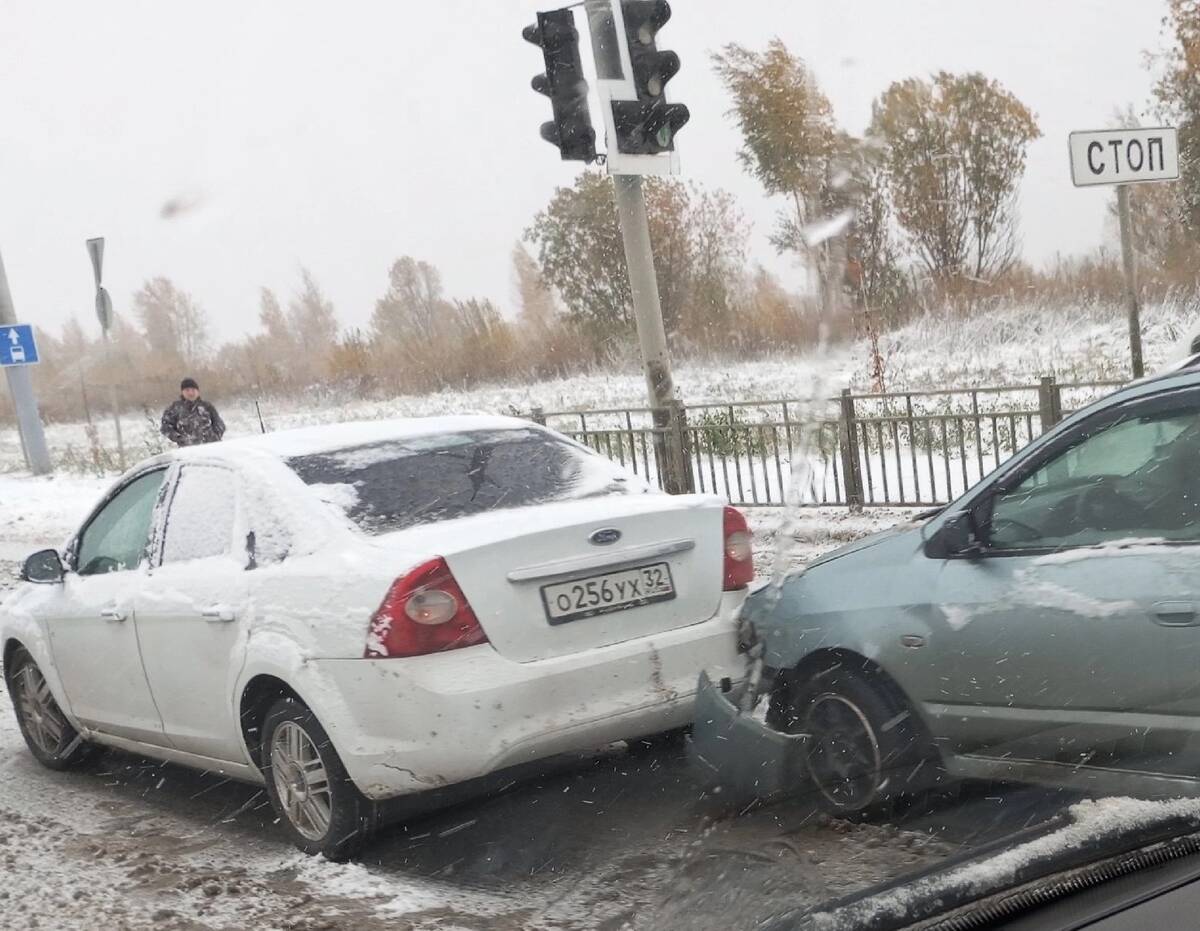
(1044, 627)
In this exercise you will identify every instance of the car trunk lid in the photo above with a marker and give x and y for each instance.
(563, 578)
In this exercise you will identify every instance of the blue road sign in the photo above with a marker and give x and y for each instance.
(16, 344)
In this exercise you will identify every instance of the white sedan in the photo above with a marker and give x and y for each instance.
(353, 613)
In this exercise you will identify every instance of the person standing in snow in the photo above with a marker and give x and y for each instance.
(191, 421)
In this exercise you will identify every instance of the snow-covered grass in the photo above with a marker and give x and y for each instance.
(1018, 344)
(990, 347)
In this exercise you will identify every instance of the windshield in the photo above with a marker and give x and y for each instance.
(391, 485)
(653, 463)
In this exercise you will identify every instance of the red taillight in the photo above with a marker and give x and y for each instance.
(424, 612)
(739, 551)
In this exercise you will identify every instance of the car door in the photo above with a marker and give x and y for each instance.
(1065, 632)
(90, 617)
(192, 612)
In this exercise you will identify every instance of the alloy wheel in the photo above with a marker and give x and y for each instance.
(43, 719)
(843, 753)
(301, 781)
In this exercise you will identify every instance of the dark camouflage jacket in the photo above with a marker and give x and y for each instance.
(189, 423)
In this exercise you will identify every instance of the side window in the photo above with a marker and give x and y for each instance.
(118, 536)
(200, 521)
(1138, 477)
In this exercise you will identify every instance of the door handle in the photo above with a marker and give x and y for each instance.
(219, 614)
(113, 614)
(1175, 614)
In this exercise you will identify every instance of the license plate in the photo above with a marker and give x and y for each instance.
(603, 594)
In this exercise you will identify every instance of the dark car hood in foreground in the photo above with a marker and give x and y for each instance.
(1115, 832)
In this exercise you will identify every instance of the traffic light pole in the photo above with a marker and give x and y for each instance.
(20, 385)
(647, 311)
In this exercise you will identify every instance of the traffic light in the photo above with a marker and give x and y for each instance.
(563, 82)
(647, 126)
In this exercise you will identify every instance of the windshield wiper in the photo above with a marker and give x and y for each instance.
(1102, 840)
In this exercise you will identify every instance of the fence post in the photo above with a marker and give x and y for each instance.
(678, 472)
(851, 474)
(538, 415)
(1049, 402)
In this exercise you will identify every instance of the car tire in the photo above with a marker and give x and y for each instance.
(47, 732)
(867, 752)
(318, 806)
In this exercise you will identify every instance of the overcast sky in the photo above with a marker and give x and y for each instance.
(341, 135)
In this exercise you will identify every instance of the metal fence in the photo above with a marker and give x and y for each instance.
(906, 449)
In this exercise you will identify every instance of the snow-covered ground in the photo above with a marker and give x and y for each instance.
(44, 510)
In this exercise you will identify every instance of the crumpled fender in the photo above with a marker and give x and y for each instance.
(736, 753)
(268, 653)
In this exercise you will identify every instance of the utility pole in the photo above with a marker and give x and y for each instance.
(104, 312)
(20, 386)
(1131, 296)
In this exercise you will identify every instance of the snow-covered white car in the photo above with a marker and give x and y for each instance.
(353, 613)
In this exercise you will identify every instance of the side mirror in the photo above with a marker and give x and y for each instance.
(43, 567)
(958, 536)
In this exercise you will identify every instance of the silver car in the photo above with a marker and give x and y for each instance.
(1045, 627)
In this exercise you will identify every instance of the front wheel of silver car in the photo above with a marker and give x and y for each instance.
(843, 753)
(317, 804)
(866, 752)
(47, 732)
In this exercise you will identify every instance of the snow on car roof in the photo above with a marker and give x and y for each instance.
(304, 441)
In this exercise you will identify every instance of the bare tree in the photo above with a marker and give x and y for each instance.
(1177, 101)
(313, 326)
(413, 307)
(697, 234)
(173, 324)
(718, 231)
(581, 255)
(791, 145)
(536, 308)
(956, 150)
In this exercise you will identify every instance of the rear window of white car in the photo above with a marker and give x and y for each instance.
(394, 484)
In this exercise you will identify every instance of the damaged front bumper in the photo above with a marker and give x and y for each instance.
(735, 752)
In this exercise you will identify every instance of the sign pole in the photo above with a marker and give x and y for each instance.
(1132, 155)
(95, 249)
(1131, 296)
(20, 385)
(116, 407)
